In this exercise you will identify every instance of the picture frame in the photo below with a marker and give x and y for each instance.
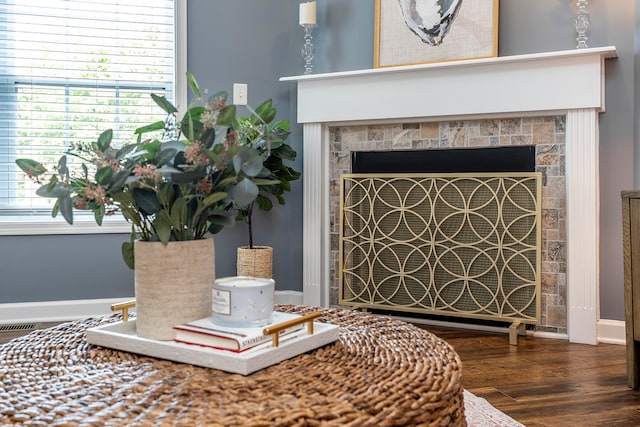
(404, 35)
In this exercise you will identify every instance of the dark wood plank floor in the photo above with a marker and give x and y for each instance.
(547, 382)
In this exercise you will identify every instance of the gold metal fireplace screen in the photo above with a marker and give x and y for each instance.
(464, 245)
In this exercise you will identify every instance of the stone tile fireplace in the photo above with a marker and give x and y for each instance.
(546, 134)
(551, 100)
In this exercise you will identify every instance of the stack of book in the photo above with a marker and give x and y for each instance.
(205, 333)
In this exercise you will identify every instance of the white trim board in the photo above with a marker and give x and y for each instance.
(55, 311)
(288, 297)
(62, 311)
(609, 331)
(40, 225)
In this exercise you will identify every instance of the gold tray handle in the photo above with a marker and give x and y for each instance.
(274, 330)
(124, 307)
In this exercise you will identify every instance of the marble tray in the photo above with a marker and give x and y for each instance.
(122, 336)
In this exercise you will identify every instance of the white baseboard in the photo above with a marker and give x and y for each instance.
(55, 311)
(551, 335)
(609, 331)
(288, 297)
(62, 311)
(476, 327)
(612, 332)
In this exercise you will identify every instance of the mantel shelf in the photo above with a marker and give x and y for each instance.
(541, 83)
(607, 52)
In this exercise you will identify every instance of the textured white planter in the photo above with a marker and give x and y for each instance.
(172, 285)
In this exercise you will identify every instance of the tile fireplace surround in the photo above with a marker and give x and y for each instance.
(567, 84)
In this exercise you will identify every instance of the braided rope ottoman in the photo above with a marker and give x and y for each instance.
(381, 372)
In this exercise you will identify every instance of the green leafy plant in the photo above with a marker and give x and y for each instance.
(181, 186)
(268, 140)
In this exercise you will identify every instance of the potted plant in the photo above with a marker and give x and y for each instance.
(268, 138)
(175, 190)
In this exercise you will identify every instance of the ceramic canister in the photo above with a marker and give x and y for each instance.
(242, 302)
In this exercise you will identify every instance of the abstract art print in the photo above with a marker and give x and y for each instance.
(422, 31)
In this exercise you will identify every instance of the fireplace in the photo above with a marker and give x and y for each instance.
(565, 84)
(454, 197)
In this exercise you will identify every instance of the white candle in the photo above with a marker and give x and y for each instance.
(308, 13)
(242, 302)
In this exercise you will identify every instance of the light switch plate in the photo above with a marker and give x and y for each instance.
(240, 93)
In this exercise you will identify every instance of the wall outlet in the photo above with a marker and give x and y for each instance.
(240, 93)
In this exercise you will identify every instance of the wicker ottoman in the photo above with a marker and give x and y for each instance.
(381, 372)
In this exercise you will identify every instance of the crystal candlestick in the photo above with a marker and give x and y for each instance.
(582, 24)
(308, 51)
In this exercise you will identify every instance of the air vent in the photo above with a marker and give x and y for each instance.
(19, 327)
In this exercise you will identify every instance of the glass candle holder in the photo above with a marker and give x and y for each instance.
(582, 22)
(308, 50)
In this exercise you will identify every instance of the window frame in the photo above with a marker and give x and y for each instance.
(29, 224)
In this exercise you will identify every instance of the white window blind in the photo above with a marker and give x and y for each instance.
(70, 69)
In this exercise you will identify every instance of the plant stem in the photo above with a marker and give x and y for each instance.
(249, 212)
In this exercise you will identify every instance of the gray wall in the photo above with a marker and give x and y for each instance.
(53, 268)
(254, 42)
(257, 42)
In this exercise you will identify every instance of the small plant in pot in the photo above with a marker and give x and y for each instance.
(268, 138)
(176, 184)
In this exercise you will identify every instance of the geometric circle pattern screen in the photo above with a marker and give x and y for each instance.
(450, 244)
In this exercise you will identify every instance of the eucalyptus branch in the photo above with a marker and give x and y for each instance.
(186, 203)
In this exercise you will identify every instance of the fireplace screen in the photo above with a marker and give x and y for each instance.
(463, 245)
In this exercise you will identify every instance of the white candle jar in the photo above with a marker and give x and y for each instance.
(242, 302)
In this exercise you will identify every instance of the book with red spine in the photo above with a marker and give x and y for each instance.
(204, 332)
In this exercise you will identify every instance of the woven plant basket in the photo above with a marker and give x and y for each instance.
(256, 262)
(172, 285)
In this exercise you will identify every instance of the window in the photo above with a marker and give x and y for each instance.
(70, 69)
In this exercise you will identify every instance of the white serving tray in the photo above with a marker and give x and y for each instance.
(122, 336)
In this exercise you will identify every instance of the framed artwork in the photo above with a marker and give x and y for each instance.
(421, 31)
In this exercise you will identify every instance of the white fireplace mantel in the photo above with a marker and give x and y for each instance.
(567, 82)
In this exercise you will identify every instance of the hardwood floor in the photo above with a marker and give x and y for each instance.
(547, 382)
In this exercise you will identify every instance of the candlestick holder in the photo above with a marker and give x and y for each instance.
(308, 50)
(582, 22)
